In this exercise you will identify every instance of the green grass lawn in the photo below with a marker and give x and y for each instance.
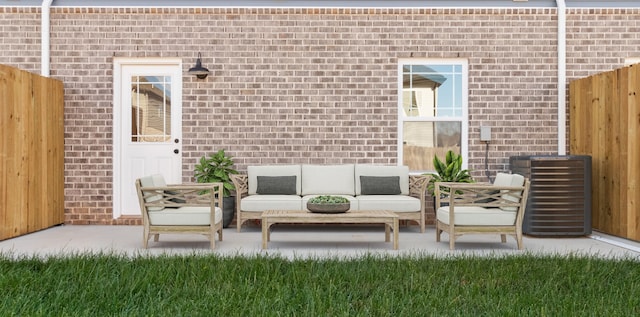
(197, 285)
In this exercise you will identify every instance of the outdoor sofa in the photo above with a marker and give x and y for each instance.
(367, 187)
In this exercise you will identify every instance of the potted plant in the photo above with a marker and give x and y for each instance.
(328, 204)
(216, 168)
(448, 171)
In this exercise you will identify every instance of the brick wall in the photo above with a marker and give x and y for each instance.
(20, 38)
(599, 40)
(310, 85)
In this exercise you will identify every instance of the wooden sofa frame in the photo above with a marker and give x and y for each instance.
(417, 188)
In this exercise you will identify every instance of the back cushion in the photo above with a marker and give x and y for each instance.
(158, 180)
(272, 170)
(328, 180)
(383, 170)
(155, 180)
(504, 179)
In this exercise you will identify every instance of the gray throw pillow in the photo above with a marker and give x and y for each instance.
(380, 185)
(276, 185)
(175, 200)
(488, 199)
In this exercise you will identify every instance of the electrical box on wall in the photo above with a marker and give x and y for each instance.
(485, 133)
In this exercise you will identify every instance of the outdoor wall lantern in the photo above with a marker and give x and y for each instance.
(198, 70)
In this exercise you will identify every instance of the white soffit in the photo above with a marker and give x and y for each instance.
(327, 3)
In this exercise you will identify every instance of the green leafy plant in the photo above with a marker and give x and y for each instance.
(449, 171)
(327, 199)
(216, 169)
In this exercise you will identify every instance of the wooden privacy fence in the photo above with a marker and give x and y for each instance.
(31, 152)
(605, 123)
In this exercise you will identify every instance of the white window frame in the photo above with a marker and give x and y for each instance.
(464, 118)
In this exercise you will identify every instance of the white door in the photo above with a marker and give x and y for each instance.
(147, 126)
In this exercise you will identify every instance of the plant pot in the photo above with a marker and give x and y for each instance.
(228, 210)
(328, 208)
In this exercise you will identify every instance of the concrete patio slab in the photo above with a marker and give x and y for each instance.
(291, 241)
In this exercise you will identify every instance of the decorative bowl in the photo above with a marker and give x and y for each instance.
(328, 208)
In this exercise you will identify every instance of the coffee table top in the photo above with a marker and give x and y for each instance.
(349, 214)
(388, 218)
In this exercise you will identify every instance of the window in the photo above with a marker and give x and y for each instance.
(433, 116)
(150, 108)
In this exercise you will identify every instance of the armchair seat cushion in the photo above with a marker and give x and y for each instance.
(259, 203)
(395, 203)
(184, 216)
(477, 216)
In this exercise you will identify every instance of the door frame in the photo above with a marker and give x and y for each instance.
(118, 64)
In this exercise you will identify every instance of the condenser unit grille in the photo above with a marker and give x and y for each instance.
(560, 195)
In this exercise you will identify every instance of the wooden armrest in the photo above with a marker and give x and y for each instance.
(183, 195)
(479, 194)
(450, 185)
(418, 185)
(194, 185)
(241, 182)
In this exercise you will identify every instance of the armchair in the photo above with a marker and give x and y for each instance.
(194, 208)
(477, 208)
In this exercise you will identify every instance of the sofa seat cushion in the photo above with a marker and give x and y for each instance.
(328, 180)
(184, 216)
(477, 216)
(352, 200)
(259, 203)
(395, 203)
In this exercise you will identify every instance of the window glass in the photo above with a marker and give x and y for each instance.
(150, 108)
(433, 111)
(423, 140)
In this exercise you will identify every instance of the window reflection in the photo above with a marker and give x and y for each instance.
(432, 91)
(422, 140)
(432, 108)
(150, 109)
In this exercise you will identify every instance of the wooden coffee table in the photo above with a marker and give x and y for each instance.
(388, 218)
